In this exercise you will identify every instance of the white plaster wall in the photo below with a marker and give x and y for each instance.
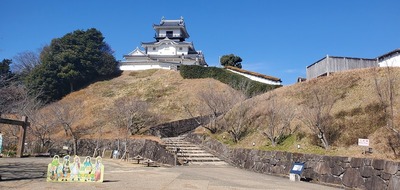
(150, 50)
(142, 67)
(263, 80)
(184, 50)
(163, 50)
(391, 62)
(166, 50)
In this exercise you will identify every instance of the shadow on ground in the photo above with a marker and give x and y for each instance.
(22, 171)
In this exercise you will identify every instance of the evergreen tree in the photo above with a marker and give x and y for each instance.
(5, 68)
(70, 62)
(231, 60)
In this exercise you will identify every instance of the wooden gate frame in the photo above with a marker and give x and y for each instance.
(22, 132)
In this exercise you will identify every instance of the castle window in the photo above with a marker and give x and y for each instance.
(170, 34)
(154, 49)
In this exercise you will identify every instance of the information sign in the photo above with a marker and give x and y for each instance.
(363, 142)
(297, 168)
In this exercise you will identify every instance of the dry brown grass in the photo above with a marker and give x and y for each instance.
(355, 93)
(166, 91)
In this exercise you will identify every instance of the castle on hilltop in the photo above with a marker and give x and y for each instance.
(169, 51)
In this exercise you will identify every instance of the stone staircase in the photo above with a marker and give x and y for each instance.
(189, 153)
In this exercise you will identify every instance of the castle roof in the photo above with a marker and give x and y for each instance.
(172, 24)
(389, 54)
(253, 74)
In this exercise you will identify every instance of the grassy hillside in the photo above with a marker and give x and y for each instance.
(165, 91)
(356, 114)
(356, 111)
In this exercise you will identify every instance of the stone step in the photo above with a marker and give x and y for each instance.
(190, 153)
(174, 143)
(181, 145)
(202, 159)
(193, 152)
(186, 148)
(196, 155)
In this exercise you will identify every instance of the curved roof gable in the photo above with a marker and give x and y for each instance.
(137, 51)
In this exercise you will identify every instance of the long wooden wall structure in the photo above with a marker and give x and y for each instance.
(332, 64)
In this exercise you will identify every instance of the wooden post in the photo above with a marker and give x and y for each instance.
(22, 134)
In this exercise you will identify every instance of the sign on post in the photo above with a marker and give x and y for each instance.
(363, 142)
(296, 171)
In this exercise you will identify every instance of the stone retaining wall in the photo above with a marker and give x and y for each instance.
(347, 172)
(179, 127)
(143, 147)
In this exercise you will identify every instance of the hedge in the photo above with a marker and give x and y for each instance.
(232, 79)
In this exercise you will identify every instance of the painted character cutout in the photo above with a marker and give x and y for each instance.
(54, 172)
(87, 169)
(75, 168)
(65, 168)
(98, 170)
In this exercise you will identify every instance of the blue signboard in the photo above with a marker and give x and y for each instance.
(297, 168)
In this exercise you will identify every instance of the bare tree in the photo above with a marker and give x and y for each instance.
(25, 62)
(130, 116)
(11, 95)
(42, 123)
(278, 117)
(67, 114)
(385, 89)
(213, 103)
(317, 115)
(98, 126)
(237, 120)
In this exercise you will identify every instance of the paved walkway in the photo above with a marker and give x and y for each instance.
(30, 173)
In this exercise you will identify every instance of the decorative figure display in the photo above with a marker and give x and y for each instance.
(75, 168)
(99, 169)
(75, 171)
(65, 168)
(87, 169)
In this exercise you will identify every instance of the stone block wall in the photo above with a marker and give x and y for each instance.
(345, 172)
(143, 147)
(179, 127)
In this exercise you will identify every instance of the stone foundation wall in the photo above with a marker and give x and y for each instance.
(145, 148)
(347, 172)
(179, 127)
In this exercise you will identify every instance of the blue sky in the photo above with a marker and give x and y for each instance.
(276, 38)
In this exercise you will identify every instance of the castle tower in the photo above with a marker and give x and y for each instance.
(169, 51)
